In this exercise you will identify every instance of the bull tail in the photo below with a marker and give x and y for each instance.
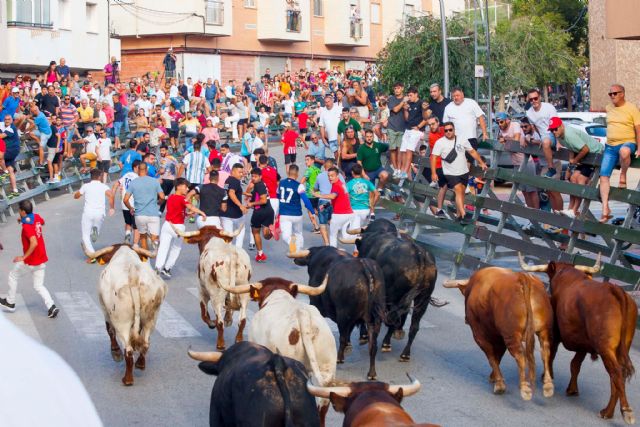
(622, 352)
(134, 288)
(529, 330)
(304, 320)
(279, 368)
(375, 309)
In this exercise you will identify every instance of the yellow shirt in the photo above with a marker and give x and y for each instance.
(285, 87)
(86, 114)
(621, 123)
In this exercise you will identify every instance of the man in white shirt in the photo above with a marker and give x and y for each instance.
(257, 142)
(94, 193)
(456, 169)
(107, 96)
(330, 116)
(288, 106)
(91, 144)
(144, 103)
(540, 114)
(104, 154)
(465, 114)
(123, 184)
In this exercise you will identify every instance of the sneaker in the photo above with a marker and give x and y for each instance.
(372, 217)
(440, 214)
(316, 230)
(252, 246)
(94, 234)
(6, 306)
(166, 273)
(568, 212)
(550, 173)
(13, 194)
(127, 238)
(437, 302)
(261, 257)
(192, 220)
(4, 176)
(396, 173)
(53, 311)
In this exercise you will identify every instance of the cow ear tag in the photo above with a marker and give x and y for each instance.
(254, 293)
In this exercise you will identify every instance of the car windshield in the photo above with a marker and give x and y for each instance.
(600, 131)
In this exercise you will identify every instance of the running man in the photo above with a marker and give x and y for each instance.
(123, 184)
(94, 193)
(33, 260)
(342, 215)
(213, 200)
(363, 197)
(263, 215)
(291, 192)
(147, 194)
(233, 217)
(309, 180)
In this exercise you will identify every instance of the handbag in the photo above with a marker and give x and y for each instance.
(453, 154)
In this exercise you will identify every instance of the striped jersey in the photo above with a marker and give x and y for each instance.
(196, 164)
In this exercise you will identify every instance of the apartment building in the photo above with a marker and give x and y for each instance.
(236, 39)
(35, 32)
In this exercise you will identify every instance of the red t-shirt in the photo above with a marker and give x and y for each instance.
(197, 88)
(289, 141)
(176, 206)
(433, 137)
(214, 154)
(302, 120)
(32, 226)
(341, 204)
(270, 179)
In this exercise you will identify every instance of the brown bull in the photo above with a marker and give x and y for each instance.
(370, 404)
(505, 309)
(593, 318)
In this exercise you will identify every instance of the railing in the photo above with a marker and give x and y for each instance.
(214, 12)
(294, 21)
(356, 29)
(42, 25)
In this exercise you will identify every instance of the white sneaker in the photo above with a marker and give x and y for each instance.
(568, 212)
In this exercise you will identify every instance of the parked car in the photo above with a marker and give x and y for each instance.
(583, 117)
(596, 130)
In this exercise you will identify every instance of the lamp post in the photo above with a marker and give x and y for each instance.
(445, 48)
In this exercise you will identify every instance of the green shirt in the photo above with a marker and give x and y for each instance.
(359, 189)
(311, 174)
(342, 126)
(574, 139)
(299, 106)
(370, 156)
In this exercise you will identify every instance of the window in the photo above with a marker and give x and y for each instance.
(92, 18)
(64, 9)
(318, 8)
(409, 10)
(32, 13)
(214, 12)
(294, 19)
(249, 3)
(375, 13)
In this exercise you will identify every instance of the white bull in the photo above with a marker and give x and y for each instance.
(292, 328)
(130, 294)
(220, 263)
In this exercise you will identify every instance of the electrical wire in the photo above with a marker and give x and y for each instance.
(578, 19)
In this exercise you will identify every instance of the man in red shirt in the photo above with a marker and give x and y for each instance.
(170, 243)
(289, 138)
(303, 118)
(342, 215)
(271, 179)
(32, 261)
(435, 133)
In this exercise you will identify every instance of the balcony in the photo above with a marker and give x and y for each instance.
(214, 12)
(350, 24)
(284, 21)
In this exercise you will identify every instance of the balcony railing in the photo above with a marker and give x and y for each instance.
(294, 21)
(356, 29)
(214, 12)
(46, 26)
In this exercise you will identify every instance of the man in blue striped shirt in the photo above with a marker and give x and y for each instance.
(196, 165)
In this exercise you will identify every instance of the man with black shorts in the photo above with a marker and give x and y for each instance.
(104, 154)
(233, 218)
(435, 133)
(263, 215)
(454, 165)
(130, 229)
(9, 133)
(213, 201)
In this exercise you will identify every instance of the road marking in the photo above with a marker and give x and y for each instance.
(195, 292)
(22, 319)
(171, 324)
(84, 313)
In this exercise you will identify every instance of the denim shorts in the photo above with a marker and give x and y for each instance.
(333, 146)
(117, 127)
(324, 212)
(612, 155)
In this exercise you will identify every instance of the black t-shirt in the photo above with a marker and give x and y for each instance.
(258, 191)
(415, 114)
(53, 141)
(211, 198)
(233, 210)
(49, 103)
(437, 108)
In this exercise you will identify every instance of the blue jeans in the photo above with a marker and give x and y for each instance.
(612, 155)
(125, 111)
(117, 127)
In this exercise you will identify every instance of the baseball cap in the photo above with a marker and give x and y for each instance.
(554, 123)
(15, 90)
(502, 116)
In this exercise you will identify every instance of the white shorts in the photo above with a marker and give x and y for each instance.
(148, 224)
(410, 140)
(211, 220)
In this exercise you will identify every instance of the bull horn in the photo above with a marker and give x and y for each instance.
(96, 254)
(531, 268)
(455, 283)
(351, 241)
(324, 392)
(205, 356)
(356, 231)
(298, 254)
(184, 233)
(240, 289)
(312, 290)
(407, 390)
(232, 234)
(591, 270)
(144, 252)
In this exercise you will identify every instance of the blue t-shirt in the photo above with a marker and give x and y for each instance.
(289, 194)
(359, 189)
(210, 93)
(152, 171)
(11, 140)
(145, 196)
(42, 123)
(9, 107)
(127, 159)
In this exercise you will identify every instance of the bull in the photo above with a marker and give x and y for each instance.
(354, 295)
(255, 387)
(219, 263)
(368, 404)
(130, 295)
(409, 276)
(505, 309)
(595, 318)
(292, 328)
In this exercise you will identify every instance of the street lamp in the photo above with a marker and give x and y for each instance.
(445, 48)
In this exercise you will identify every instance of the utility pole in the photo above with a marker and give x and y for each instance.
(445, 48)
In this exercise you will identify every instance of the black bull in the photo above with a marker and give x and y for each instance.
(256, 387)
(354, 295)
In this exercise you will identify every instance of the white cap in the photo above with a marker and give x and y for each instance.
(14, 90)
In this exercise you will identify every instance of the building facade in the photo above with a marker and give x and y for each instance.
(236, 39)
(35, 32)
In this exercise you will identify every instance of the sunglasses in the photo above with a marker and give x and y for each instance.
(554, 130)
(614, 93)
(501, 121)
(534, 98)
(448, 130)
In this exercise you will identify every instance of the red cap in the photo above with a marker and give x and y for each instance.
(554, 123)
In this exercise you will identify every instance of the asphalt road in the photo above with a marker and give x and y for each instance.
(173, 392)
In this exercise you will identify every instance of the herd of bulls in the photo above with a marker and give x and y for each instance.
(287, 369)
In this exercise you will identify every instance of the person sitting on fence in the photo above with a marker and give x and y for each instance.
(9, 134)
(454, 165)
(623, 139)
(511, 131)
(580, 144)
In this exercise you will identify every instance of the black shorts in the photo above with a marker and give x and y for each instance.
(103, 165)
(289, 158)
(474, 144)
(314, 202)
(254, 165)
(10, 158)
(247, 157)
(303, 130)
(57, 158)
(585, 170)
(262, 217)
(243, 121)
(453, 180)
(129, 219)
